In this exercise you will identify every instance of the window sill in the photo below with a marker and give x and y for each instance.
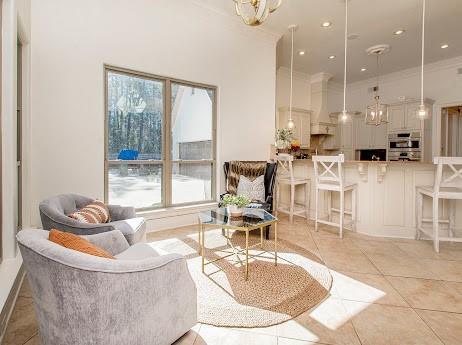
(176, 211)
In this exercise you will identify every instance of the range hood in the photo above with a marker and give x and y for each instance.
(321, 123)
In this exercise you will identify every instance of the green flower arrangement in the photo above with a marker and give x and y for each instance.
(239, 201)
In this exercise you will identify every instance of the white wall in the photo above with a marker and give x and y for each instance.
(301, 89)
(15, 23)
(74, 38)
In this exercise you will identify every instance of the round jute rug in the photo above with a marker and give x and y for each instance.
(272, 294)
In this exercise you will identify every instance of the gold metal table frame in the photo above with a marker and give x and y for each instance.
(237, 252)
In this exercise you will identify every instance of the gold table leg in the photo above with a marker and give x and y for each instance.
(275, 244)
(261, 237)
(246, 255)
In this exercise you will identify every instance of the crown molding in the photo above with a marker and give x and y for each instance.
(297, 74)
(410, 72)
(235, 23)
(320, 77)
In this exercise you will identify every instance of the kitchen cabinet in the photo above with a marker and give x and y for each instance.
(396, 116)
(302, 120)
(369, 136)
(402, 116)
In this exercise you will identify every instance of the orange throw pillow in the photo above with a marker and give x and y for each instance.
(77, 243)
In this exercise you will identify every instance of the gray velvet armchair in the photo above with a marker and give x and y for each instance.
(141, 298)
(54, 211)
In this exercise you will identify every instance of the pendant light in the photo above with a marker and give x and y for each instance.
(422, 112)
(377, 113)
(344, 116)
(290, 122)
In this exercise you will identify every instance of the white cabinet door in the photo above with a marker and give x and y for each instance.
(349, 155)
(412, 122)
(362, 134)
(346, 135)
(397, 114)
(305, 130)
(379, 139)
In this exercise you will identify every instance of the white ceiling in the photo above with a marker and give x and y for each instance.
(374, 21)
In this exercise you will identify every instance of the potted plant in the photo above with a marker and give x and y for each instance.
(235, 204)
(283, 138)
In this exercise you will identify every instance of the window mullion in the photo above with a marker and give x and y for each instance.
(167, 180)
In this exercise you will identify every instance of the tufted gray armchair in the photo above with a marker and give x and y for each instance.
(141, 298)
(54, 211)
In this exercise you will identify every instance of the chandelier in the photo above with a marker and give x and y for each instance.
(255, 12)
(377, 113)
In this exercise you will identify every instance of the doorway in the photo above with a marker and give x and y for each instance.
(451, 131)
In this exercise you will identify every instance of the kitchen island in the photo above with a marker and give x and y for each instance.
(386, 196)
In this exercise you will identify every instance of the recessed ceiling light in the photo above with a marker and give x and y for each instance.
(326, 24)
(363, 69)
(444, 46)
(301, 52)
(399, 32)
(332, 57)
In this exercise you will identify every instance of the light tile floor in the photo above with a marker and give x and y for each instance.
(385, 291)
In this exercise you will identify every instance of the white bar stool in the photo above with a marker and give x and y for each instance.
(447, 185)
(328, 172)
(285, 176)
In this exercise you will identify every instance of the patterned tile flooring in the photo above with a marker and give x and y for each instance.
(385, 291)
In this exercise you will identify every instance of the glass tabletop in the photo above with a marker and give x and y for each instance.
(251, 218)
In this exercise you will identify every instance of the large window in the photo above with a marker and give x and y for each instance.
(160, 140)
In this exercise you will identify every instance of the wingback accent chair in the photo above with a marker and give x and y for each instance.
(140, 298)
(54, 211)
(269, 181)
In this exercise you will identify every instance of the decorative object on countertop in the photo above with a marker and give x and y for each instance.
(447, 185)
(345, 116)
(252, 169)
(329, 176)
(283, 138)
(54, 211)
(377, 113)
(295, 146)
(235, 204)
(255, 12)
(422, 112)
(286, 177)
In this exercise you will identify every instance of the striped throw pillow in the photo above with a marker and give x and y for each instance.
(94, 213)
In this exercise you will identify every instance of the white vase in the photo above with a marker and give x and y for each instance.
(235, 211)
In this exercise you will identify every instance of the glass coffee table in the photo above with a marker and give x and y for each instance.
(251, 219)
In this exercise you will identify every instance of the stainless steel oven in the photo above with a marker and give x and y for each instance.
(405, 146)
